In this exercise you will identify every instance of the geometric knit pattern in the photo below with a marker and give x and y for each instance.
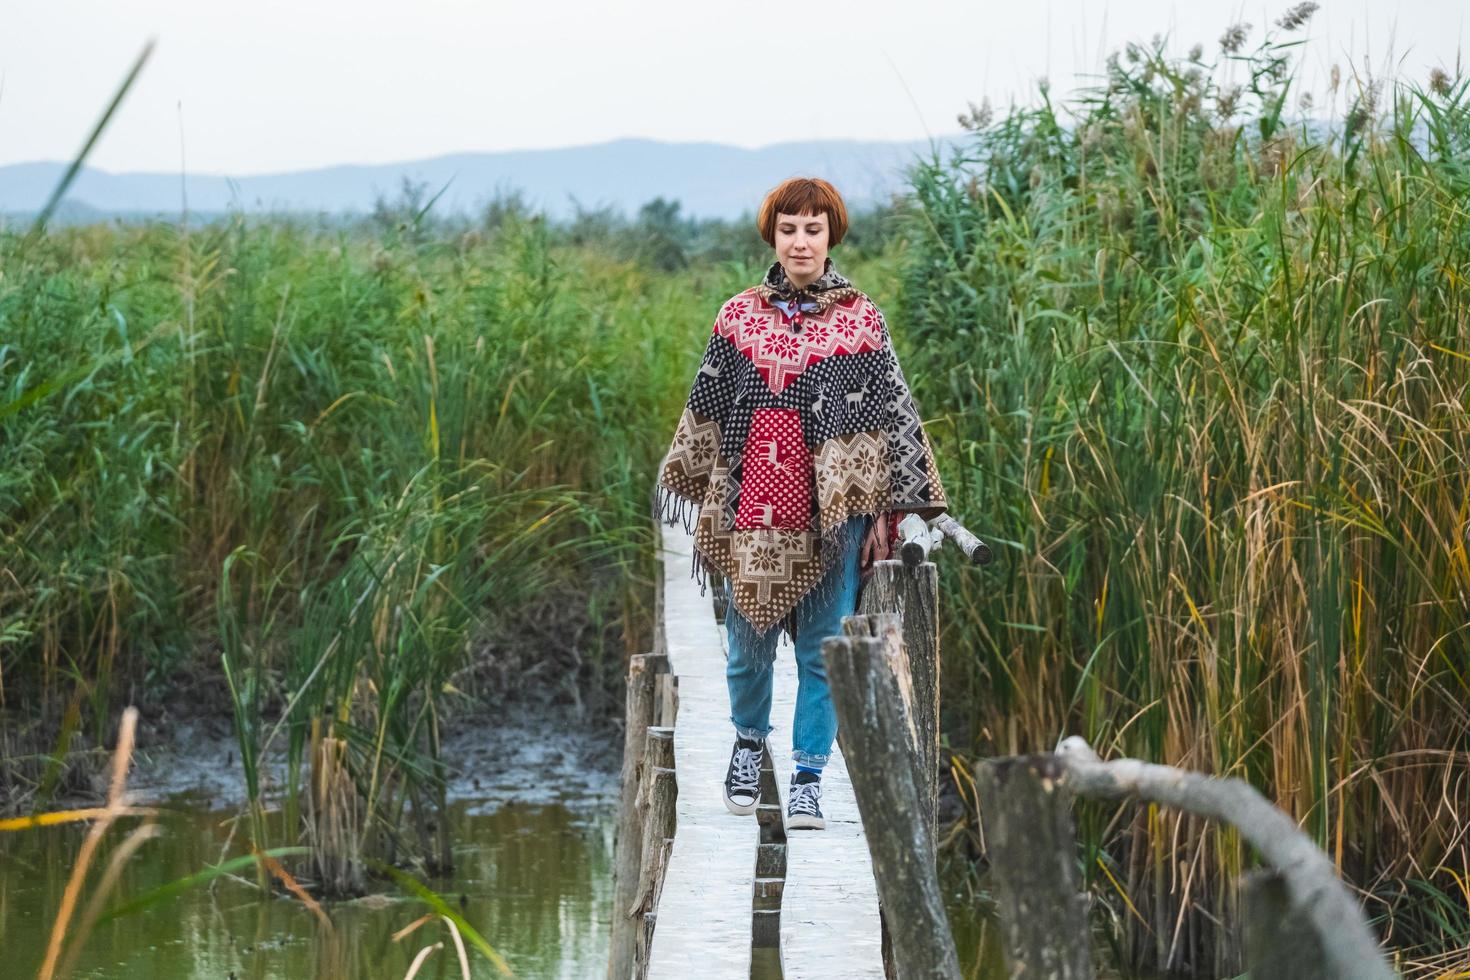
(760, 333)
(852, 477)
(692, 455)
(793, 427)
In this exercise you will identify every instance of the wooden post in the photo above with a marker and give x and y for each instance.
(913, 594)
(1032, 848)
(874, 735)
(1280, 942)
(660, 638)
(628, 846)
(657, 806)
(665, 699)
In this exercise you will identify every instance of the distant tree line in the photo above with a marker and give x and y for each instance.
(657, 236)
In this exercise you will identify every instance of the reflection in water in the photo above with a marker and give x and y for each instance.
(765, 963)
(976, 939)
(534, 880)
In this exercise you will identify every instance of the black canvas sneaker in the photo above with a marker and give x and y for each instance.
(803, 802)
(743, 778)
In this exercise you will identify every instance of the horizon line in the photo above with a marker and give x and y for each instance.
(463, 153)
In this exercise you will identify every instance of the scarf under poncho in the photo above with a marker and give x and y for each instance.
(795, 424)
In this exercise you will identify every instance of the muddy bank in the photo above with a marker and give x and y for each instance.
(534, 753)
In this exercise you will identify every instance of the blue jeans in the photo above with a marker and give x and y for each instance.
(818, 615)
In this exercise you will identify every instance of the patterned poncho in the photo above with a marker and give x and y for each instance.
(799, 419)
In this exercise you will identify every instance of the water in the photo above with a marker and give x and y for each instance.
(534, 879)
(976, 935)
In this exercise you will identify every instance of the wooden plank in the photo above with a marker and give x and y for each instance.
(712, 906)
(829, 907)
(704, 911)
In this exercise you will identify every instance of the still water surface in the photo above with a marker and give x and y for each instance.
(534, 879)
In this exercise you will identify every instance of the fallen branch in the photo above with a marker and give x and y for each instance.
(1314, 890)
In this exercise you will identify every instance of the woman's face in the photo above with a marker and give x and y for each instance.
(801, 246)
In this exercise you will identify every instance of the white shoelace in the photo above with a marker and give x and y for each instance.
(803, 798)
(747, 771)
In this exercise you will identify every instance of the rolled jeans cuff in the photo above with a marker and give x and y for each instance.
(809, 759)
(751, 734)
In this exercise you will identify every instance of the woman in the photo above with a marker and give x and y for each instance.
(797, 447)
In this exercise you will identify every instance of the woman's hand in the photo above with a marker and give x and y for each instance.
(875, 545)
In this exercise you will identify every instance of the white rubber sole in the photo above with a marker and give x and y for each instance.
(739, 809)
(805, 821)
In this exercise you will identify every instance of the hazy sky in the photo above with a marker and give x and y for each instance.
(269, 85)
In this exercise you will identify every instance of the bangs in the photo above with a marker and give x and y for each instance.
(803, 195)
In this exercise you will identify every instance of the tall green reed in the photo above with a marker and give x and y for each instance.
(1203, 372)
(356, 467)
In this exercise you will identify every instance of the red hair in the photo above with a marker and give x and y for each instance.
(803, 195)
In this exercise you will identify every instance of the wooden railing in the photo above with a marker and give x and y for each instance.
(646, 813)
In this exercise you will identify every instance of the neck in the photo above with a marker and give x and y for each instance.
(803, 280)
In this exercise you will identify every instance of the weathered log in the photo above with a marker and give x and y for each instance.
(643, 945)
(657, 802)
(656, 798)
(660, 638)
(887, 629)
(1280, 942)
(658, 756)
(892, 588)
(1029, 839)
(658, 835)
(973, 548)
(628, 846)
(665, 699)
(1313, 892)
(913, 593)
(874, 736)
(916, 540)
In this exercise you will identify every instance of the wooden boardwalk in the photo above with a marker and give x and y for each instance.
(828, 905)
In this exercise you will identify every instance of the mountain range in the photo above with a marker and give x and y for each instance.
(712, 180)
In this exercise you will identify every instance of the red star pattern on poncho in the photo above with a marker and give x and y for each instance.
(852, 326)
(776, 490)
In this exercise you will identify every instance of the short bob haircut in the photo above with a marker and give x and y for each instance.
(803, 195)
